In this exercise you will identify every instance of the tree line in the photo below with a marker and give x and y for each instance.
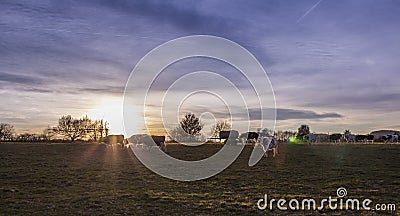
(85, 128)
(68, 128)
(190, 128)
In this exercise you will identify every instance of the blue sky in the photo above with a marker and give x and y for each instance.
(333, 64)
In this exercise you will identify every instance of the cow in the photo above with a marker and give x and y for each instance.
(149, 141)
(336, 138)
(370, 138)
(391, 138)
(349, 137)
(231, 136)
(311, 138)
(361, 138)
(365, 138)
(249, 137)
(322, 138)
(269, 143)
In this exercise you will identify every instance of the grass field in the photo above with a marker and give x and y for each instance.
(90, 179)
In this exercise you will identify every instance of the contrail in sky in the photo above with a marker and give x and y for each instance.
(309, 10)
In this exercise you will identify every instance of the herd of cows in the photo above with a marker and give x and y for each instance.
(232, 137)
(339, 138)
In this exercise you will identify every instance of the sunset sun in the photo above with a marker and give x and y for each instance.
(109, 110)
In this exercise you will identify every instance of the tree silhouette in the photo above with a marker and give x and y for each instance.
(70, 127)
(98, 130)
(6, 131)
(220, 126)
(27, 137)
(47, 134)
(191, 124)
(189, 128)
(81, 128)
(303, 130)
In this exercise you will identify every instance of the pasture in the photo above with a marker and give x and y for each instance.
(90, 179)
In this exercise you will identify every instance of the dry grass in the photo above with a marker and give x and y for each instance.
(90, 179)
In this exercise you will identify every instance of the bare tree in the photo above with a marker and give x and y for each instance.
(6, 132)
(191, 124)
(47, 134)
(72, 128)
(188, 130)
(98, 130)
(220, 126)
(82, 128)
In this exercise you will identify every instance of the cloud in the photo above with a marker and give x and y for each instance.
(255, 114)
(291, 114)
(20, 79)
(179, 15)
(15, 120)
(114, 90)
(286, 114)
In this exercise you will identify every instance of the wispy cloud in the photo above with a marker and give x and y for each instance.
(20, 79)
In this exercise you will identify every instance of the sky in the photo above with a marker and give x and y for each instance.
(332, 64)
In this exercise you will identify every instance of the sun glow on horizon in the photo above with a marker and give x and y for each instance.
(111, 110)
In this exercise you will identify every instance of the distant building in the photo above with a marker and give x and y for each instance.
(114, 139)
(380, 133)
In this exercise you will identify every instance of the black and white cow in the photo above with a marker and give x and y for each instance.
(349, 137)
(148, 141)
(269, 143)
(361, 138)
(311, 138)
(249, 137)
(391, 138)
(365, 138)
(336, 138)
(370, 138)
